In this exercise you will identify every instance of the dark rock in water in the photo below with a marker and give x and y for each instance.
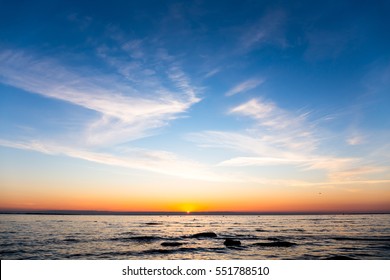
(275, 244)
(71, 240)
(204, 234)
(153, 224)
(171, 244)
(340, 258)
(231, 242)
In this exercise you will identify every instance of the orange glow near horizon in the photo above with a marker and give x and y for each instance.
(276, 201)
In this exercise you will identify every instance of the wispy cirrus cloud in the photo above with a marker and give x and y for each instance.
(126, 113)
(262, 151)
(279, 137)
(179, 78)
(269, 29)
(356, 173)
(212, 73)
(245, 86)
(287, 129)
(156, 161)
(275, 132)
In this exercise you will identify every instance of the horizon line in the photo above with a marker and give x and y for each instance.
(178, 213)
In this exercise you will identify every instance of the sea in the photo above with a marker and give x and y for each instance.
(203, 237)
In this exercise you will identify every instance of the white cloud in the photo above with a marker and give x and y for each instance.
(161, 162)
(258, 161)
(245, 86)
(255, 108)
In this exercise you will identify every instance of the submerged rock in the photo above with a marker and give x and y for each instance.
(204, 234)
(171, 244)
(153, 223)
(275, 244)
(231, 242)
(71, 240)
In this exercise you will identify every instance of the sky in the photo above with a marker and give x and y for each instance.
(265, 106)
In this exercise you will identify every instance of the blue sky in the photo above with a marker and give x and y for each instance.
(267, 94)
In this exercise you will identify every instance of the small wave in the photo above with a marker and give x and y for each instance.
(181, 250)
(342, 238)
(12, 252)
(192, 225)
(127, 233)
(292, 230)
(274, 239)
(82, 255)
(23, 254)
(137, 238)
(364, 255)
(339, 257)
(146, 252)
(240, 236)
(349, 248)
(275, 244)
(238, 248)
(167, 251)
(8, 244)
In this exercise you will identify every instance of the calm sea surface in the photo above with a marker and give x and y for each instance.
(144, 237)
